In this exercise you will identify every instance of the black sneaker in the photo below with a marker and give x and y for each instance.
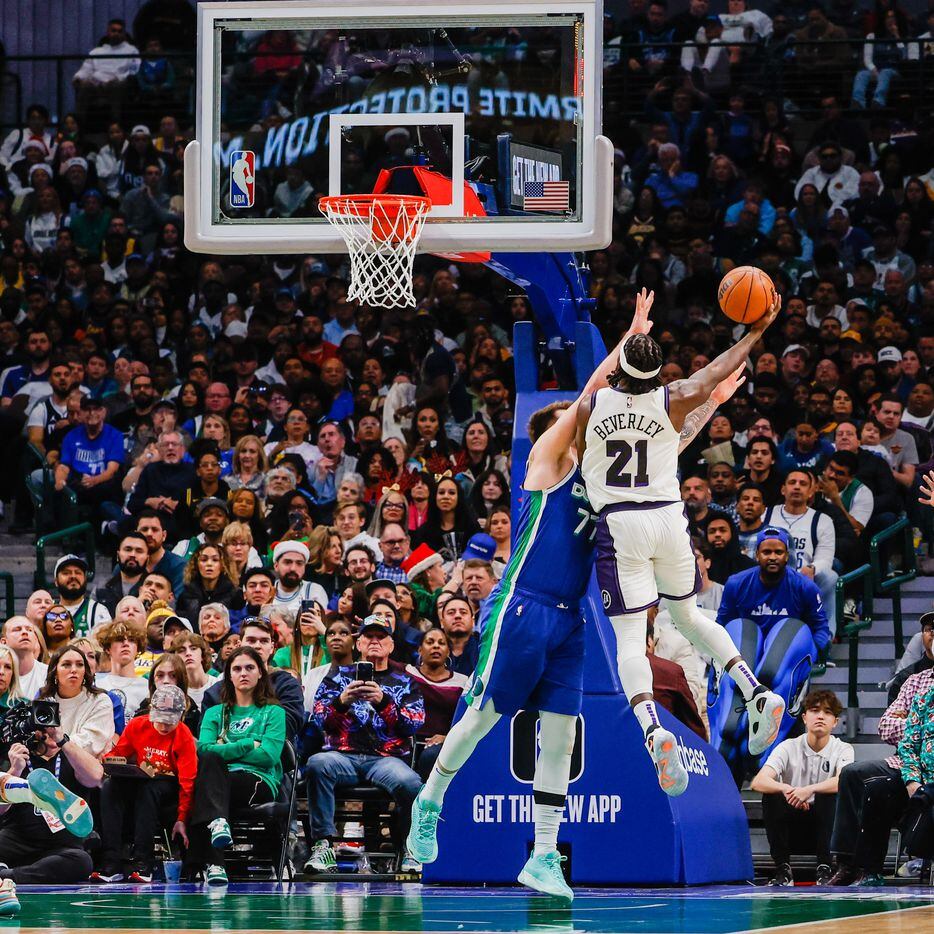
(824, 875)
(783, 876)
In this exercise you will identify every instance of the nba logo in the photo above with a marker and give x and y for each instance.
(242, 180)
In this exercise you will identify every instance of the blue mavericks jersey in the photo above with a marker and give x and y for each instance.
(553, 548)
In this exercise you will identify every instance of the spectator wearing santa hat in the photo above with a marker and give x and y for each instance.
(424, 571)
(289, 560)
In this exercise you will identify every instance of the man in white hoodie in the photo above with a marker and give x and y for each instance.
(103, 80)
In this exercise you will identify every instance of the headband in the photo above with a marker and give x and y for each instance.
(627, 367)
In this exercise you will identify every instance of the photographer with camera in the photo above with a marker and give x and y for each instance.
(85, 711)
(45, 817)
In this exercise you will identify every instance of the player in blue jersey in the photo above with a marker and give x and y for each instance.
(532, 648)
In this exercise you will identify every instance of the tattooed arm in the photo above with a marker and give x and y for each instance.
(697, 418)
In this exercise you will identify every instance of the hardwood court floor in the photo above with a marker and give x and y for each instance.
(367, 908)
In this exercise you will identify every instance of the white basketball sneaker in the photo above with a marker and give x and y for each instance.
(662, 745)
(765, 710)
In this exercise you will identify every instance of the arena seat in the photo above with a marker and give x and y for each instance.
(261, 832)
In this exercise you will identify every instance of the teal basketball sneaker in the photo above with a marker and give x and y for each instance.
(543, 873)
(422, 842)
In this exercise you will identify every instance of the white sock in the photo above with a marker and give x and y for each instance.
(745, 680)
(14, 790)
(552, 771)
(461, 741)
(647, 715)
(547, 821)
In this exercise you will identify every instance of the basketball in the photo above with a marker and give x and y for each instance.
(745, 294)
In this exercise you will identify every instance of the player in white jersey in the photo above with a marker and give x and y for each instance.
(627, 439)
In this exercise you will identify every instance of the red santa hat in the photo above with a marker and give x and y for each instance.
(420, 560)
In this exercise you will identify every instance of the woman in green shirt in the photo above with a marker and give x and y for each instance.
(307, 650)
(239, 755)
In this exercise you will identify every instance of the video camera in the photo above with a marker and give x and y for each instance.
(21, 722)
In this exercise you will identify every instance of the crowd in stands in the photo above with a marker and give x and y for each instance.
(290, 484)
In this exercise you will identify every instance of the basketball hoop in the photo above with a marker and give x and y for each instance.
(381, 232)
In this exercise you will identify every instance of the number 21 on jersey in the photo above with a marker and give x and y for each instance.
(621, 452)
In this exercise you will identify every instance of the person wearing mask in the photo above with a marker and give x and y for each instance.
(163, 744)
(239, 755)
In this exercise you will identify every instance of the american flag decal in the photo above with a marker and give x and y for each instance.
(546, 196)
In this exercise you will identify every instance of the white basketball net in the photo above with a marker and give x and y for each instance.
(381, 233)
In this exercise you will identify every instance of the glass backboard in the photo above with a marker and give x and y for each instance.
(498, 104)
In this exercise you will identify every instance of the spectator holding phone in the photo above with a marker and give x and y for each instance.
(307, 650)
(162, 744)
(368, 714)
(239, 755)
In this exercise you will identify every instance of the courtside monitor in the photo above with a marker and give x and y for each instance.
(490, 110)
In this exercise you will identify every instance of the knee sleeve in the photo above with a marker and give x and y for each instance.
(705, 634)
(465, 734)
(556, 743)
(631, 661)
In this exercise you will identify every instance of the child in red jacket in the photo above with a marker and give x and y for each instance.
(162, 746)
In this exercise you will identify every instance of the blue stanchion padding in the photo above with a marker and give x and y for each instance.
(725, 711)
(782, 659)
(620, 827)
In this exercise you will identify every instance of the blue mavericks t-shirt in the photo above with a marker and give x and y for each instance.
(745, 596)
(91, 457)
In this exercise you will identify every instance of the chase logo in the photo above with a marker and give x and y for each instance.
(523, 747)
(242, 178)
(693, 760)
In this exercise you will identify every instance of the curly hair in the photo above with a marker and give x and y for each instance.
(117, 631)
(645, 354)
(192, 574)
